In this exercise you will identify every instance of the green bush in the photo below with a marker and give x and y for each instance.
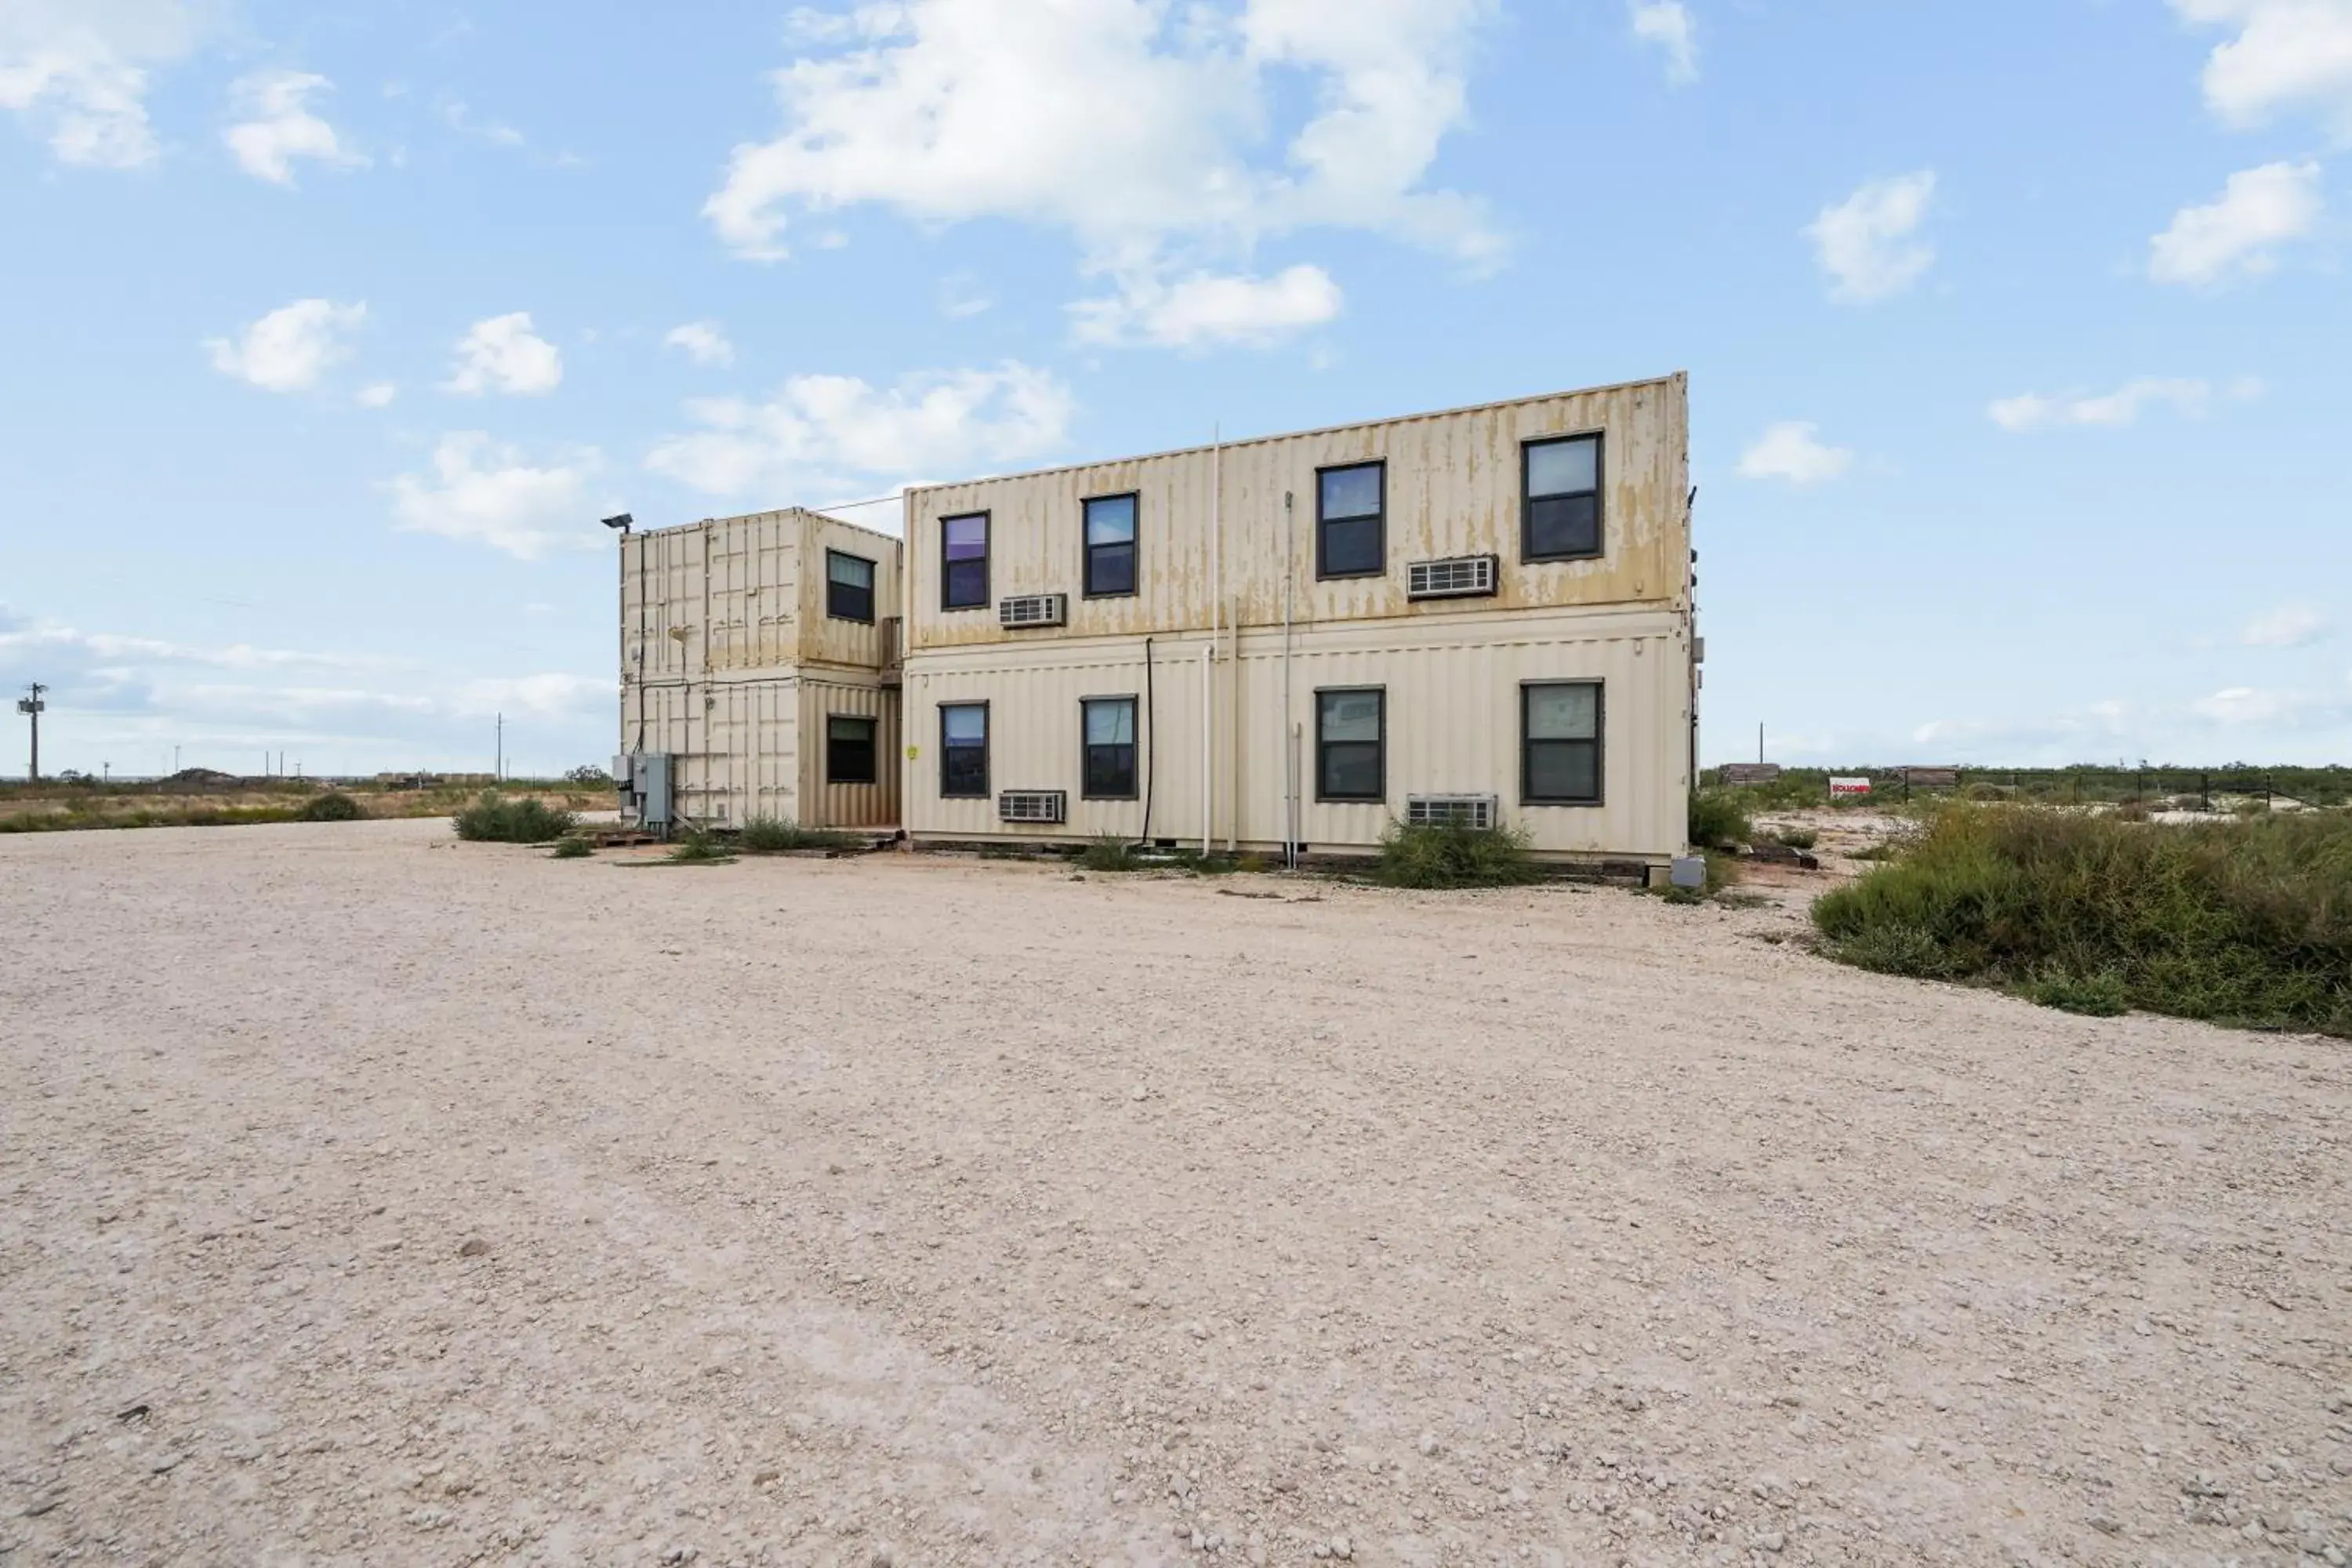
(774, 835)
(1798, 837)
(2238, 921)
(1430, 857)
(1718, 820)
(574, 849)
(1109, 852)
(494, 820)
(333, 806)
(2100, 996)
(697, 847)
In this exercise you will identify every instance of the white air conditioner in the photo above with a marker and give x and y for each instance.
(1457, 577)
(1033, 610)
(1050, 805)
(1452, 811)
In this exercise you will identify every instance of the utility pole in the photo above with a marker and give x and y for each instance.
(498, 765)
(1760, 743)
(33, 708)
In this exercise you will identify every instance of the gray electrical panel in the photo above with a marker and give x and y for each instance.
(644, 781)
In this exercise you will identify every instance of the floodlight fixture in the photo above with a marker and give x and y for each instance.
(623, 522)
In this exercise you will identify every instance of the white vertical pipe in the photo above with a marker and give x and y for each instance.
(1289, 756)
(1209, 654)
(1207, 665)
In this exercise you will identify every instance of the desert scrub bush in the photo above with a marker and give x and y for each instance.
(333, 806)
(1798, 837)
(2100, 996)
(1718, 820)
(572, 849)
(1441, 856)
(1109, 852)
(698, 848)
(1215, 864)
(2246, 922)
(494, 820)
(777, 835)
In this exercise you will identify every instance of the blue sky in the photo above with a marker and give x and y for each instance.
(2017, 332)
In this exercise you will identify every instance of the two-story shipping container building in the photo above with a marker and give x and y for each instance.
(760, 667)
(1483, 616)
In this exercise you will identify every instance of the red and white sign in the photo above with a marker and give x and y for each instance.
(1849, 786)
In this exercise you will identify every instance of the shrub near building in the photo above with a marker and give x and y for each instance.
(495, 819)
(2246, 922)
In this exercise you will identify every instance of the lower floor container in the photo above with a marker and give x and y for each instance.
(817, 747)
(1573, 728)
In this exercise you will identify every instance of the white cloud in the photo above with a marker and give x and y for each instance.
(278, 126)
(288, 349)
(1794, 451)
(503, 355)
(2289, 625)
(2239, 705)
(76, 69)
(962, 297)
(1203, 309)
(1132, 125)
(53, 636)
(823, 435)
(2288, 54)
(484, 492)
(376, 394)
(457, 117)
(1668, 25)
(2191, 399)
(703, 343)
(547, 696)
(2258, 210)
(1866, 242)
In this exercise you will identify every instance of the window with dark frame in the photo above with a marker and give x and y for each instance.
(963, 751)
(1351, 524)
(848, 587)
(1350, 737)
(849, 749)
(1110, 765)
(1110, 546)
(1560, 515)
(1560, 742)
(963, 561)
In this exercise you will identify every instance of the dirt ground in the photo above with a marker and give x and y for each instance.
(368, 1197)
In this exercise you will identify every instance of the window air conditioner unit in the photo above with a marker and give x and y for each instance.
(1033, 610)
(1050, 805)
(1458, 577)
(1452, 811)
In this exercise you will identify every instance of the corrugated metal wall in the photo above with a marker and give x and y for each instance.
(726, 619)
(831, 805)
(1454, 489)
(1453, 726)
(848, 643)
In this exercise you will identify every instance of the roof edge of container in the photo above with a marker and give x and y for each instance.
(1672, 378)
(769, 512)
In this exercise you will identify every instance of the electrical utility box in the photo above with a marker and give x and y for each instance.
(644, 781)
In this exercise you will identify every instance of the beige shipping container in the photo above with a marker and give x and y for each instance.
(1451, 725)
(1222, 529)
(1226, 550)
(734, 663)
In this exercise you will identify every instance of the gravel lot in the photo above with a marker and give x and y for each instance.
(368, 1197)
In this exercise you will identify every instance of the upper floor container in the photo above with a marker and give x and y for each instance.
(1568, 501)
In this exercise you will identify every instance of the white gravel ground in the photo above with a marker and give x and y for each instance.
(367, 1197)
